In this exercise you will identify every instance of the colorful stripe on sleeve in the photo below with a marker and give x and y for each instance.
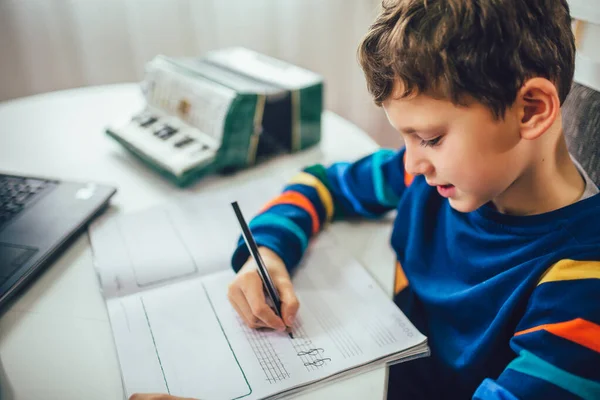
(342, 190)
(529, 364)
(324, 196)
(566, 270)
(299, 200)
(319, 195)
(578, 330)
(558, 340)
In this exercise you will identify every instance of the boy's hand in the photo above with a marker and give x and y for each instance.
(156, 396)
(247, 296)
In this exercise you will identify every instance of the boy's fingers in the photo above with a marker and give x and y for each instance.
(289, 302)
(242, 314)
(253, 290)
(239, 303)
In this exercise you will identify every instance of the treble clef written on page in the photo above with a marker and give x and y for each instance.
(311, 356)
(310, 352)
(314, 361)
(317, 363)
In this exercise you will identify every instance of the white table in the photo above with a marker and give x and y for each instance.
(55, 339)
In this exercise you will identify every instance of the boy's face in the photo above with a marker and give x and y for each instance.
(471, 157)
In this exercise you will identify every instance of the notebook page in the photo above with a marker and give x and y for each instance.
(186, 339)
(188, 237)
(345, 320)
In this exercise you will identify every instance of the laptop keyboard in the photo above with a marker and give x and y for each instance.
(18, 192)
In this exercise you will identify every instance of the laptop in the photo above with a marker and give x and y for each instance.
(38, 218)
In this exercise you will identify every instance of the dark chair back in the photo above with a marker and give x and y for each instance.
(581, 123)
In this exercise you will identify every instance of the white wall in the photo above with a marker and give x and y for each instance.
(48, 45)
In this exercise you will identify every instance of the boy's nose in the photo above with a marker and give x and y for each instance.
(415, 163)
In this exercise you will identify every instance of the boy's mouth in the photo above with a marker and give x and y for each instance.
(446, 190)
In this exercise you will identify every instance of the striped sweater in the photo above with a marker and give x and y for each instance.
(510, 305)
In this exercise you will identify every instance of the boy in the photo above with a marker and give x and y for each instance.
(498, 252)
(497, 232)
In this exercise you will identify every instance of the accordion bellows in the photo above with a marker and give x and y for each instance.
(224, 111)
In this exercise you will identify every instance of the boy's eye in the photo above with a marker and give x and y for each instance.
(431, 143)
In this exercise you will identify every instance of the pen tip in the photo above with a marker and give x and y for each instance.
(291, 336)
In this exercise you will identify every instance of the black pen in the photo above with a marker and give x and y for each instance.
(262, 269)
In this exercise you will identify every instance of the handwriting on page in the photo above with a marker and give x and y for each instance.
(313, 358)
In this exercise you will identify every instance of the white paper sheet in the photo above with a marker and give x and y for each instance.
(176, 332)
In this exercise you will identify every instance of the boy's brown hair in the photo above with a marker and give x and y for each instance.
(482, 49)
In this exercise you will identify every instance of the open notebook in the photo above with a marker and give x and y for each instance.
(164, 274)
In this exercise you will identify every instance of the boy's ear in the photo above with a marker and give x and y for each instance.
(538, 107)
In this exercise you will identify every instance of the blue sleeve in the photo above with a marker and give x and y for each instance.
(557, 343)
(318, 195)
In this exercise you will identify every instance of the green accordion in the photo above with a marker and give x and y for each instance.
(222, 112)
